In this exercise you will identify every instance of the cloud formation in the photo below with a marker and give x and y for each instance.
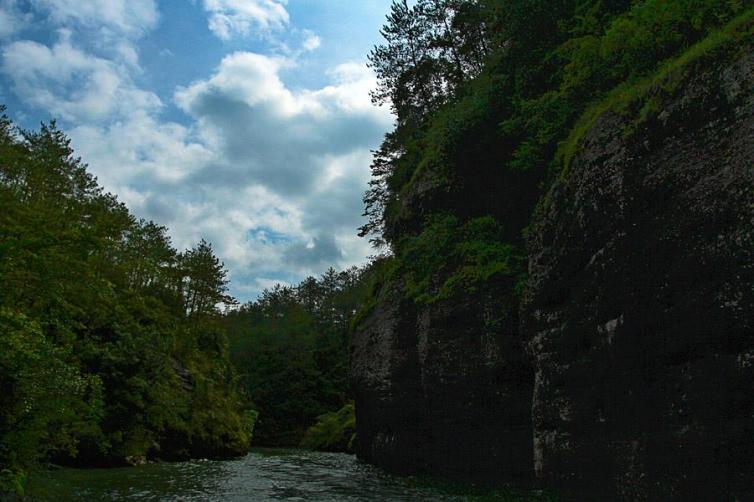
(272, 175)
(12, 19)
(126, 17)
(70, 83)
(311, 41)
(274, 136)
(229, 18)
(304, 153)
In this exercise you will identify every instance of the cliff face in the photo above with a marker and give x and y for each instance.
(641, 298)
(439, 391)
(627, 373)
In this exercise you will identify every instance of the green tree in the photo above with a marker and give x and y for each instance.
(111, 347)
(205, 283)
(290, 348)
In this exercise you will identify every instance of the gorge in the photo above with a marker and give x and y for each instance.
(558, 300)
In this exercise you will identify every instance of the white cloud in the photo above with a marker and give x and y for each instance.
(229, 18)
(253, 80)
(70, 83)
(350, 91)
(271, 175)
(271, 135)
(141, 148)
(127, 17)
(311, 41)
(12, 20)
(246, 77)
(75, 82)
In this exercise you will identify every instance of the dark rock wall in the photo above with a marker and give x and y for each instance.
(638, 320)
(438, 391)
(390, 420)
(641, 301)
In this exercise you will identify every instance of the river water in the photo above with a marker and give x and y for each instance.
(292, 475)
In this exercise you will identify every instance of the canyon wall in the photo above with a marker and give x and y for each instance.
(640, 307)
(627, 371)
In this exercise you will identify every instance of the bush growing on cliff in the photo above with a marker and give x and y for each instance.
(334, 431)
(469, 255)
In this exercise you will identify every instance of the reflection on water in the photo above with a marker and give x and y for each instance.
(261, 475)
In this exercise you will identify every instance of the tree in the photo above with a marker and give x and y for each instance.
(101, 360)
(147, 255)
(290, 347)
(431, 49)
(404, 64)
(205, 283)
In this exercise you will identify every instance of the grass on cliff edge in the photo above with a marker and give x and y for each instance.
(631, 96)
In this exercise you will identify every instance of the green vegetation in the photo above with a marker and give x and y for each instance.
(469, 256)
(633, 97)
(111, 349)
(290, 348)
(112, 345)
(486, 123)
(334, 431)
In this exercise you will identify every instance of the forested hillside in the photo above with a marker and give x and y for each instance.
(114, 346)
(111, 351)
(290, 349)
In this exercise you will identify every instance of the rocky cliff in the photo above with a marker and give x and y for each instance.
(439, 391)
(641, 295)
(627, 373)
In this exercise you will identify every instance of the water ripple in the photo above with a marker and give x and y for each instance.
(263, 475)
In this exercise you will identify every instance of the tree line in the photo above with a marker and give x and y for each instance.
(116, 348)
(111, 348)
(290, 347)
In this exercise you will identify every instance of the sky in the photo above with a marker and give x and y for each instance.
(244, 122)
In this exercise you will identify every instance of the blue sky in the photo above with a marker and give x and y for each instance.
(245, 122)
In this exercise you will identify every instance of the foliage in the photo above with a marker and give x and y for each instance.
(467, 255)
(45, 403)
(431, 48)
(334, 431)
(632, 96)
(476, 149)
(110, 348)
(112, 343)
(544, 62)
(290, 348)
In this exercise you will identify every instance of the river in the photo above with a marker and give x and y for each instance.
(264, 474)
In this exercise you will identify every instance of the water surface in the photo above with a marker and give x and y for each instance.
(292, 475)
